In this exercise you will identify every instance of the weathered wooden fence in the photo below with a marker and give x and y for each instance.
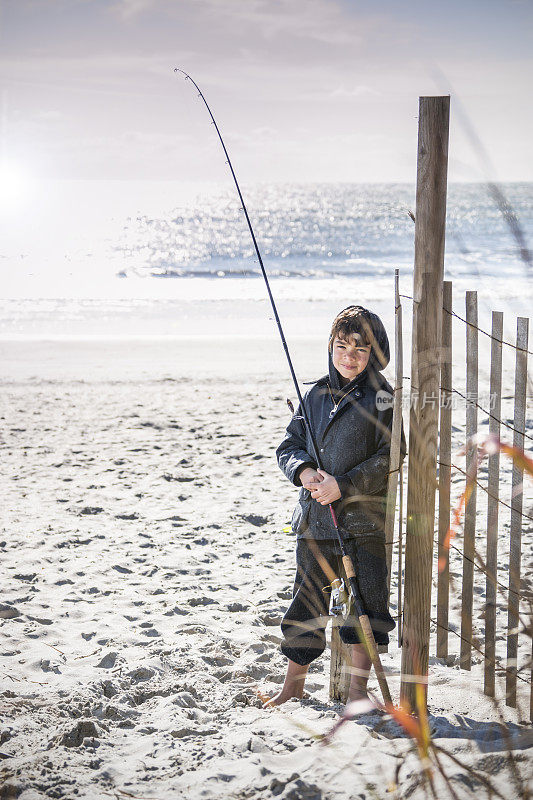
(431, 465)
(480, 562)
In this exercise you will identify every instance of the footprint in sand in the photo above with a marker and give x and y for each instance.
(50, 666)
(185, 700)
(247, 698)
(217, 660)
(108, 689)
(26, 578)
(141, 674)
(151, 632)
(8, 612)
(253, 519)
(177, 610)
(236, 607)
(271, 619)
(108, 661)
(84, 729)
(182, 733)
(201, 601)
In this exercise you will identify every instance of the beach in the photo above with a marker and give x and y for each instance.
(168, 170)
(148, 565)
(147, 557)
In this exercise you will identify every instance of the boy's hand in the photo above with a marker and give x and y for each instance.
(327, 490)
(309, 478)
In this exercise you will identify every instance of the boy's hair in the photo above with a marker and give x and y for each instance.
(352, 321)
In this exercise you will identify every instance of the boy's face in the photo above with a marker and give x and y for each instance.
(349, 357)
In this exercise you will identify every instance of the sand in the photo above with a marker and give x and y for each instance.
(145, 569)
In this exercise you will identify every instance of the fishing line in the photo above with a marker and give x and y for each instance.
(265, 276)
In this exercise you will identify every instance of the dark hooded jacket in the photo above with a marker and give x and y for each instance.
(354, 447)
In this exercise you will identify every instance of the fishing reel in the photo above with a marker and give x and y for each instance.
(340, 599)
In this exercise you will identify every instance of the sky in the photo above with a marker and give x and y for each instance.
(302, 90)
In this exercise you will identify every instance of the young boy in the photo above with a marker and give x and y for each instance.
(352, 432)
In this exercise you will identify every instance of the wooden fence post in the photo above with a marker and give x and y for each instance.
(495, 408)
(445, 461)
(515, 549)
(469, 527)
(432, 167)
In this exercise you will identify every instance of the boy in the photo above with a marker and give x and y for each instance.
(352, 432)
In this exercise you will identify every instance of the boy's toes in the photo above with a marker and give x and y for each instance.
(277, 700)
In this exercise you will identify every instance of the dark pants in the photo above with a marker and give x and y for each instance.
(305, 621)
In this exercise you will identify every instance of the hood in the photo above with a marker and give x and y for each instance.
(379, 356)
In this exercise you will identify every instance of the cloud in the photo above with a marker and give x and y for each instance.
(127, 9)
(278, 75)
(315, 20)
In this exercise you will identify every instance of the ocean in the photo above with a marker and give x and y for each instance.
(99, 258)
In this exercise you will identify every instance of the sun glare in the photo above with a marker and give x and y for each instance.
(14, 184)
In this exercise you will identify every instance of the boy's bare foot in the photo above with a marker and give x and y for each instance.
(293, 685)
(281, 698)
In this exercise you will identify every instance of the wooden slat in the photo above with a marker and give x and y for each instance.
(431, 185)
(400, 561)
(495, 407)
(396, 433)
(445, 458)
(516, 510)
(531, 676)
(471, 460)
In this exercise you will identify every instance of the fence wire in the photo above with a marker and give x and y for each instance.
(495, 661)
(481, 330)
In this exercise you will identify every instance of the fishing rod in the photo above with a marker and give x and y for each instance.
(364, 622)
